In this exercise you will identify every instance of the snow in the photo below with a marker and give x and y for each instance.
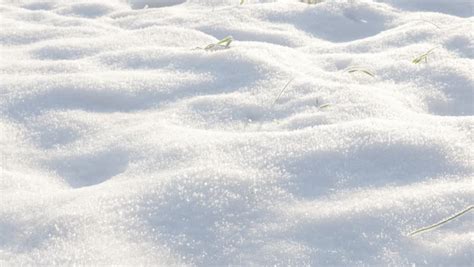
(122, 142)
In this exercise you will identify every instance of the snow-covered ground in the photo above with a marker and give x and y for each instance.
(121, 142)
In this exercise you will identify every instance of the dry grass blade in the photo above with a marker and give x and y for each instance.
(222, 44)
(226, 41)
(362, 70)
(324, 106)
(282, 90)
(423, 57)
(431, 227)
(427, 21)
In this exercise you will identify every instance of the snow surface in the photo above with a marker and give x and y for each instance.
(123, 143)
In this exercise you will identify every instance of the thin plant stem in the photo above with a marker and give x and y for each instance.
(431, 227)
(424, 56)
(362, 70)
(281, 92)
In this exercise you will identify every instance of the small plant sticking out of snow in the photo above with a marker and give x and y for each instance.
(222, 44)
(281, 92)
(423, 57)
(431, 227)
(361, 70)
(324, 106)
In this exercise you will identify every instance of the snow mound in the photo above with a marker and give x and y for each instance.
(312, 140)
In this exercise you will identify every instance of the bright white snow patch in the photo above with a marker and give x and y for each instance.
(122, 142)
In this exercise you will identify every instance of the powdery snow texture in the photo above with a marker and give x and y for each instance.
(121, 143)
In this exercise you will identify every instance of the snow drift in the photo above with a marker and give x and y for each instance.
(122, 142)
